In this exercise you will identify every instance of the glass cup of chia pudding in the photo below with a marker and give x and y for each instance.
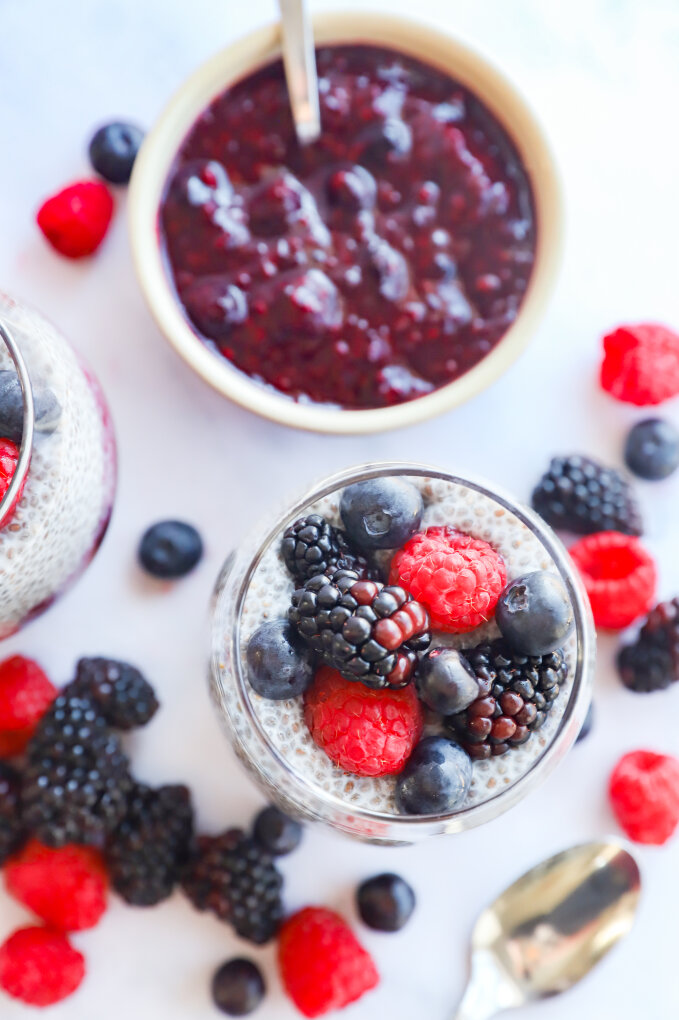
(57, 465)
(401, 653)
(374, 278)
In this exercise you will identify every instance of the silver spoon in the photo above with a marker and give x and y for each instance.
(548, 930)
(299, 60)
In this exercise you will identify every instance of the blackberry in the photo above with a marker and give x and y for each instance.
(11, 827)
(235, 878)
(77, 780)
(580, 495)
(516, 694)
(151, 846)
(367, 631)
(312, 546)
(651, 663)
(122, 694)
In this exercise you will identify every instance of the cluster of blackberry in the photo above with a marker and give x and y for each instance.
(356, 624)
(75, 787)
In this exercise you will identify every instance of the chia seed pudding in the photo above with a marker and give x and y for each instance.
(66, 503)
(272, 736)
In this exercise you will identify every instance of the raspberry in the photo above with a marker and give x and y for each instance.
(39, 966)
(363, 731)
(25, 695)
(323, 965)
(458, 578)
(641, 364)
(9, 455)
(619, 576)
(644, 792)
(66, 888)
(75, 220)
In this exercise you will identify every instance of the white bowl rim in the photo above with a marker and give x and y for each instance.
(258, 48)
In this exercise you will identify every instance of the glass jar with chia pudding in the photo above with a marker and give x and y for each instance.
(401, 653)
(57, 465)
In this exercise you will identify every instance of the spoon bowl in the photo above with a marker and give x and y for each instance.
(551, 927)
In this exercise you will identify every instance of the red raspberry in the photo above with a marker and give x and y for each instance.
(75, 220)
(363, 731)
(458, 578)
(66, 888)
(641, 364)
(25, 695)
(644, 792)
(323, 965)
(619, 575)
(9, 455)
(39, 966)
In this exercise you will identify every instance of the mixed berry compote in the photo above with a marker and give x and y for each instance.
(369, 268)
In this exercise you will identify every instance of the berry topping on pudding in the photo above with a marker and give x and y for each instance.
(436, 779)
(534, 613)
(457, 577)
(400, 697)
(369, 268)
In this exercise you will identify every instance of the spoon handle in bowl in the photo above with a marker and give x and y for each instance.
(299, 60)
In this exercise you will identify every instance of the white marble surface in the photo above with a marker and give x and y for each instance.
(604, 76)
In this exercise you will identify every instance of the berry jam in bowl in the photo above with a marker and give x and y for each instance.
(57, 465)
(401, 653)
(374, 278)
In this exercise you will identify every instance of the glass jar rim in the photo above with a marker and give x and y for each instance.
(310, 794)
(21, 470)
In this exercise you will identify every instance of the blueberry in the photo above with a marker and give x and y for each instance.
(446, 682)
(113, 150)
(436, 779)
(279, 666)
(46, 406)
(385, 902)
(535, 614)
(381, 513)
(276, 832)
(652, 449)
(238, 987)
(170, 549)
(587, 724)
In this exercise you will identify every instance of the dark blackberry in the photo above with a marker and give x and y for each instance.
(11, 827)
(123, 695)
(77, 781)
(235, 878)
(578, 494)
(651, 663)
(312, 546)
(151, 846)
(367, 631)
(516, 694)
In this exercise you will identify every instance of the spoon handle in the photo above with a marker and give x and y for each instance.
(489, 991)
(299, 60)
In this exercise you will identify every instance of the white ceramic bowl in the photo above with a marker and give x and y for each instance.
(236, 62)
